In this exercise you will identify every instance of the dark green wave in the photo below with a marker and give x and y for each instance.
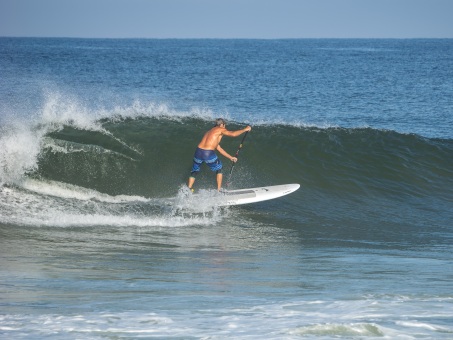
(152, 157)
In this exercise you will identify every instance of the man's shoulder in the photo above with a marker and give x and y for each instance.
(218, 130)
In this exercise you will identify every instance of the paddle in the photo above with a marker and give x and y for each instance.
(234, 163)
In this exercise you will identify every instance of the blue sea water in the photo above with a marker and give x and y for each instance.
(96, 135)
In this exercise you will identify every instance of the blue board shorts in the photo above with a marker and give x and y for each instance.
(206, 156)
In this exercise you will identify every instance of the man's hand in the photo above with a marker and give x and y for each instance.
(234, 159)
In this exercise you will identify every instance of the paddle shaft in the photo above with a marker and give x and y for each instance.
(236, 155)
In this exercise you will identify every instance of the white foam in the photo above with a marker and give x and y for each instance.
(423, 325)
(19, 150)
(89, 220)
(240, 318)
(157, 110)
(66, 190)
(66, 147)
(205, 200)
(47, 203)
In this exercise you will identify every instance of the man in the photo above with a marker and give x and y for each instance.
(206, 151)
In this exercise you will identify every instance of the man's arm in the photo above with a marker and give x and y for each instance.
(225, 154)
(235, 133)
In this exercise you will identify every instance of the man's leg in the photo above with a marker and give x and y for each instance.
(191, 182)
(195, 169)
(219, 180)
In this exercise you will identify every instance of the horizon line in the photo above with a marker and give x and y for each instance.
(220, 38)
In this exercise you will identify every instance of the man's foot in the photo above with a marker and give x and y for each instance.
(185, 192)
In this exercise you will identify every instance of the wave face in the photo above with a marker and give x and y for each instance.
(150, 156)
(141, 157)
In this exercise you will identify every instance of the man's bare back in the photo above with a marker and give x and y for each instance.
(212, 138)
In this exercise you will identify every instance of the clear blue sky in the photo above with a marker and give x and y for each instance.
(227, 18)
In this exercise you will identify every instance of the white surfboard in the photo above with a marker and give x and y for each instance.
(252, 195)
(206, 200)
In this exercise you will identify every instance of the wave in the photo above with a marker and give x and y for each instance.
(148, 153)
(139, 155)
(152, 157)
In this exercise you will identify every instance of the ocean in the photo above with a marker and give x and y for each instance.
(97, 136)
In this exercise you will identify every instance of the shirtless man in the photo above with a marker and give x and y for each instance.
(206, 151)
